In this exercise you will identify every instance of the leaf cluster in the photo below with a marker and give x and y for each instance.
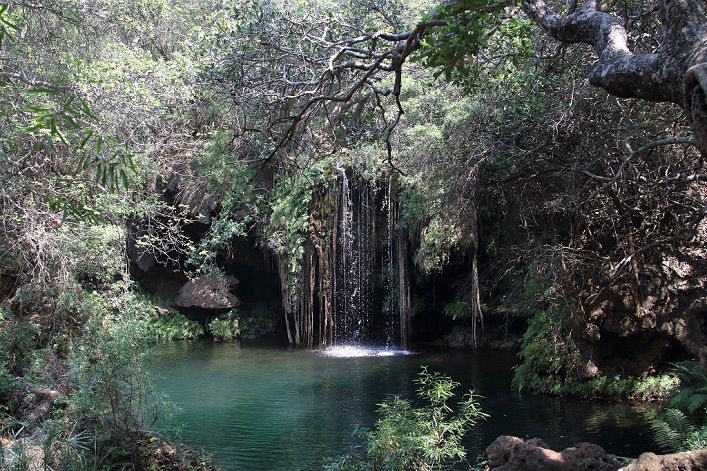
(549, 356)
(476, 34)
(224, 328)
(682, 423)
(421, 437)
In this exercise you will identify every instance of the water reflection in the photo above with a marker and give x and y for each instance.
(260, 408)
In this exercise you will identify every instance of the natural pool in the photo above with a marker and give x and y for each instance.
(271, 408)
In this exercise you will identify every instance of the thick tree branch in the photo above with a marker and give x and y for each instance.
(676, 73)
(652, 77)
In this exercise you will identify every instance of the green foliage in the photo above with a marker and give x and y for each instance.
(112, 390)
(290, 202)
(673, 431)
(424, 437)
(424, 213)
(464, 336)
(457, 309)
(159, 323)
(474, 29)
(682, 423)
(225, 327)
(7, 382)
(18, 341)
(54, 445)
(5, 23)
(172, 326)
(651, 388)
(549, 356)
(691, 398)
(550, 360)
(98, 257)
(226, 179)
(253, 327)
(260, 321)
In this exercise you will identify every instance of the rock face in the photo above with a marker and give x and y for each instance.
(686, 461)
(207, 292)
(514, 454)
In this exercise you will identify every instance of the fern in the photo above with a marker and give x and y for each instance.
(697, 401)
(691, 374)
(692, 397)
(672, 430)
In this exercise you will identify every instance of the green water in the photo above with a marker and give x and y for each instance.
(258, 408)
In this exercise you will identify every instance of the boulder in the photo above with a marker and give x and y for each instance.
(207, 292)
(685, 461)
(514, 454)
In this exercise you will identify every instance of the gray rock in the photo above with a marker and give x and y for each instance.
(207, 292)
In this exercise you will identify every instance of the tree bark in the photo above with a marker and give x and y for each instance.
(675, 73)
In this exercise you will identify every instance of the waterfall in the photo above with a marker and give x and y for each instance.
(354, 234)
(353, 262)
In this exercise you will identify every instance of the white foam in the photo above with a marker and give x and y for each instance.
(355, 351)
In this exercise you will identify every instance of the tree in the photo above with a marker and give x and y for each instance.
(675, 71)
(317, 58)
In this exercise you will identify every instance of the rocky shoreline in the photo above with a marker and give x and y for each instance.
(508, 453)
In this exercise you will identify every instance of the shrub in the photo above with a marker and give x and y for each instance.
(112, 391)
(7, 382)
(18, 341)
(261, 321)
(158, 324)
(550, 360)
(674, 432)
(420, 438)
(549, 357)
(252, 327)
(172, 326)
(224, 327)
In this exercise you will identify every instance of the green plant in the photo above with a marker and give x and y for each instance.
(7, 382)
(156, 322)
(682, 423)
(252, 327)
(18, 341)
(425, 437)
(691, 398)
(457, 309)
(549, 356)
(673, 431)
(172, 326)
(113, 395)
(260, 321)
(225, 326)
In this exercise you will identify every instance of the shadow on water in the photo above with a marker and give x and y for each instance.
(264, 408)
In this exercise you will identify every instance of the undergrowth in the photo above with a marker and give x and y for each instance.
(550, 360)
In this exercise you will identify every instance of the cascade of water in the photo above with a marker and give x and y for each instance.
(388, 268)
(364, 257)
(353, 259)
(351, 283)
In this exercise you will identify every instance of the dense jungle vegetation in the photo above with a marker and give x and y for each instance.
(562, 207)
